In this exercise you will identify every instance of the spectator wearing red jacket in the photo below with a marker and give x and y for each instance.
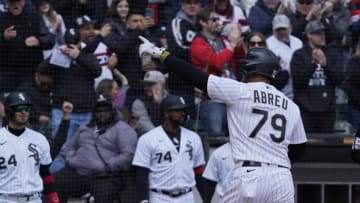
(210, 54)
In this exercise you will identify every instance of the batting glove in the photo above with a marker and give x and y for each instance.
(149, 48)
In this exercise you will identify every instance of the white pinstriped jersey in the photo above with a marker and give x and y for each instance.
(20, 159)
(219, 167)
(262, 120)
(169, 169)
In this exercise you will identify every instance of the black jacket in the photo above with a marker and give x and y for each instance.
(315, 97)
(75, 84)
(353, 75)
(18, 61)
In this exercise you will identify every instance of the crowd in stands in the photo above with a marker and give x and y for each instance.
(84, 54)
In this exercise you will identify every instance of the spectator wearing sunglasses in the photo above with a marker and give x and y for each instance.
(229, 13)
(255, 39)
(283, 44)
(210, 54)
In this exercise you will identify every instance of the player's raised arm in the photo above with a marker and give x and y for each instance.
(181, 68)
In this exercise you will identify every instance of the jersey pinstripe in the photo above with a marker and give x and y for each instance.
(219, 166)
(262, 120)
(169, 169)
(20, 159)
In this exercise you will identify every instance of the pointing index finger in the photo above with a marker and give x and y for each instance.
(143, 39)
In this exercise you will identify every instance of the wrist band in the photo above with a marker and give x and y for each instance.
(163, 55)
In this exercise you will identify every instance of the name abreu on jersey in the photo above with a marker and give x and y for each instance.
(270, 99)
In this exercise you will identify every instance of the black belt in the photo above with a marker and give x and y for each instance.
(20, 197)
(258, 164)
(176, 193)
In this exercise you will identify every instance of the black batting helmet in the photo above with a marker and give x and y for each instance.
(261, 61)
(172, 102)
(15, 99)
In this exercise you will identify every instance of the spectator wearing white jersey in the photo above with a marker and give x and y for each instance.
(265, 127)
(283, 44)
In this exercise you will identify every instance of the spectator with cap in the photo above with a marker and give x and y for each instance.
(53, 21)
(23, 36)
(146, 109)
(98, 156)
(73, 71)
(93, 43)
(40, 91)
(283, 44)
(71, 9)
(316, 71)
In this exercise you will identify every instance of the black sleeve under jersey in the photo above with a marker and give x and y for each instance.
(187, 71)
(208, 190)
(296, 151)
(142, 183)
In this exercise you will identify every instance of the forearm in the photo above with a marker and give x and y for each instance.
(60, 138)
(142, 183)
(208, 190)
(49, 184)
(186, 71)
(296, 151)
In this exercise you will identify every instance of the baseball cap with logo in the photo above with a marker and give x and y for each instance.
(314, 26)
(280, 21)
(173, 102)
(83, 20)
(154, 76)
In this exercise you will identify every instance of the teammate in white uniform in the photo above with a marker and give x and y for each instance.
(169, 159)
(24, 157)
(266, 130)
(217, 172)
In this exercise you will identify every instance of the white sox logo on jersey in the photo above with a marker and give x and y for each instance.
(35, 155)
(189, 149)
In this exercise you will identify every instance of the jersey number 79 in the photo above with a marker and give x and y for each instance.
(278, 122)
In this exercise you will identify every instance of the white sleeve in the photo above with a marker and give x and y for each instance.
(142, 156)
(225, 89)
(45, 155)
(211, 169)
(199, 153)
(298, 136)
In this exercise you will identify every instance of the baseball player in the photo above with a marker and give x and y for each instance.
(265, 127)
(169, 159)
(24, 157)
(217, 171)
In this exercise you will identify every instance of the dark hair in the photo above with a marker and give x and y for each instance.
(112, 9)
(104, 87)
(135, 12)
(252, 34)
(203, 15)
